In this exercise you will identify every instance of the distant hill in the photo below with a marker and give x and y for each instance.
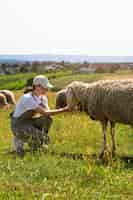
(66, 58)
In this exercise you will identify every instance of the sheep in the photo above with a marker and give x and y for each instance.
(105, 100)
(3, 101)
(9, 96)
(61, 98)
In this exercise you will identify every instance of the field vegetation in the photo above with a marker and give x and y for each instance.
(70, 168)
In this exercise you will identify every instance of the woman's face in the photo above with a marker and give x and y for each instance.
(41, 90)
(44, 90)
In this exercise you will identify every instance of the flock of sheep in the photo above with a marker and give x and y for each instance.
(109, 101)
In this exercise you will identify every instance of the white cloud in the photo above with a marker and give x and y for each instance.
(85, 26)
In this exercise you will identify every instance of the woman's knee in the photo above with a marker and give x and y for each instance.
(43, 122)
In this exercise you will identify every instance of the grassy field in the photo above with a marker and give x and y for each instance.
(70, 169)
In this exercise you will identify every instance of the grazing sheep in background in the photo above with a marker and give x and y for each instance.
(3, 101)
(110, 100)
(7, 97)
(61, 98)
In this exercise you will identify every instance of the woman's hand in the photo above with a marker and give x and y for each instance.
(68, 108)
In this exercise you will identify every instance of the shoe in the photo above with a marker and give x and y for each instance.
(46, 139)
(45, 148)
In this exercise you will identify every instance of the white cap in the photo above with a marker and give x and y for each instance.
(43, 81)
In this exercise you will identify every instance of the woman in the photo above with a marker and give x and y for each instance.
(25, 124)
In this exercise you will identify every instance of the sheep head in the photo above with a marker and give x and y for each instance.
(71, 98)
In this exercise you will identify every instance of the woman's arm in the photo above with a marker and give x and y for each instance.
(45, 112)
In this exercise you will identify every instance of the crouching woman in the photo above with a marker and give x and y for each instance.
(26, 125)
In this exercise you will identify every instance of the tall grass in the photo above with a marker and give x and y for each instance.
(18, 81)
(59, 79)
(55, 174)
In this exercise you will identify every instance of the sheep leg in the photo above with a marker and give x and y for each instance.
(112, 131)
(104, 128)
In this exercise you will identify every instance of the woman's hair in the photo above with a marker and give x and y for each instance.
(28, 89)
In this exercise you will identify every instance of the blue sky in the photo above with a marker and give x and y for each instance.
(92, 27)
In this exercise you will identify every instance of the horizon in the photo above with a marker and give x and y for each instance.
(12, 58)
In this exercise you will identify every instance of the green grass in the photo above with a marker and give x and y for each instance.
(54, 175)
(18, 81)
(59, 79)
(62, 81)
(69, 170)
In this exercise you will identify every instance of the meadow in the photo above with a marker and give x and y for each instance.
(70, 168)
